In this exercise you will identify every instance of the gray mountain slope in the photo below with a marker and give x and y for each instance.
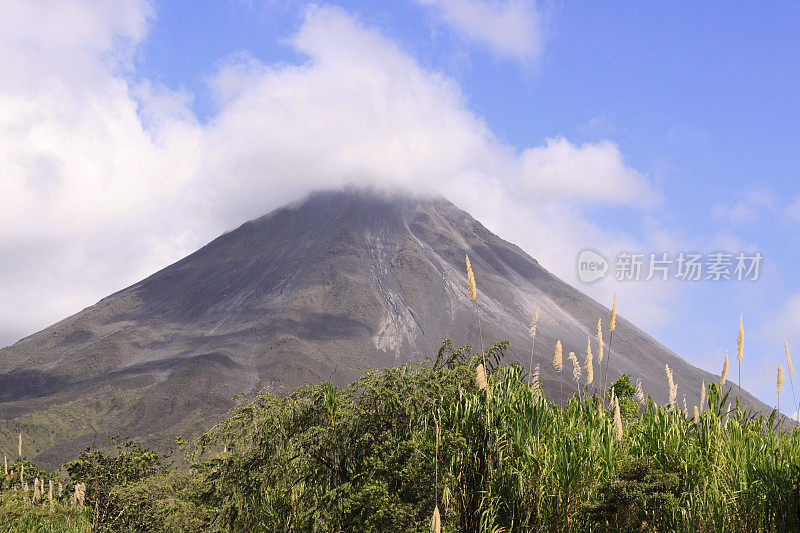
(322, 289)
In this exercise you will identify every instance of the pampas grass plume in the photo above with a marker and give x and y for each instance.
(617, 420)
(576, 367)
(789, 364)
(696, 415)
(703, 396)
(472, 286)
(600, 343)
(436, 521)
(612, 323)
(535, 323)
(533, 340)
(740, 340)
(480, 377)
(20, 446)
(50, 496)
(639, 395)
(673, 388)
(780, 379)
(589, 362)
(724, 376)
(80, 495)
(558, 360)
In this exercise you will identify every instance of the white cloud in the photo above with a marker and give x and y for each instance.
(748, 209)
(102, 182)
(591, 172)
(60, 47)
(510, 28)
(793, 211)
(83, 185)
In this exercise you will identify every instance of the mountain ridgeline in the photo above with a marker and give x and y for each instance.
(319, 290)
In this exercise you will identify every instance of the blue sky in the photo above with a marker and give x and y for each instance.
(636, 126)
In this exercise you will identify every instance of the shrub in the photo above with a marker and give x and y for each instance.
(101, 473)
(169, 502)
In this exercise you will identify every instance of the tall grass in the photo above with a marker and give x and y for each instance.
(538, 466)
(505, 458)
(365, 458)
(558, 364)
(23, 516)
(703, 395)
(790, 368)
(612, 325)
(472, 294)
(532, 333)
(740, 350)
(723, 377)
(672, 388)
(589, 362)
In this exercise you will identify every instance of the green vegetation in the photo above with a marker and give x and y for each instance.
(364, 458)
(62, 422)
(21, 515)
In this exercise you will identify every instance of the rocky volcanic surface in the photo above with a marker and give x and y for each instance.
(319, 290)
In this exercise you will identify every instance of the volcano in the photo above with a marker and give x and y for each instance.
(319, 290)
